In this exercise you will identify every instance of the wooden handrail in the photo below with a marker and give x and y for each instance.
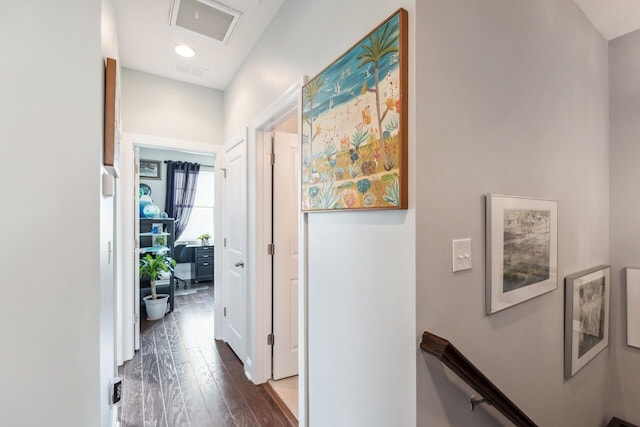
(461, 366)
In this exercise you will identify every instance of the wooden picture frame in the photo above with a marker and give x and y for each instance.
(354, 125)
(521, 250)
(151, 169)
(586, 317)
(111, 144)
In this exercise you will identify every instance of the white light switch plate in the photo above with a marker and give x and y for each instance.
(461, 254)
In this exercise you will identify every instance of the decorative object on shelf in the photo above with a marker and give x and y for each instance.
(151, 169)
(151, 267)
(522, 250)
(145, 189)
(151, 211)
(204, 239)
(144, 201)
(633, 307)
(354, 126)
(159, 238)
(586, 317)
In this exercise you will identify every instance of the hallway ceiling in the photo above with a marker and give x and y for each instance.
(613, 18)
(147, 41)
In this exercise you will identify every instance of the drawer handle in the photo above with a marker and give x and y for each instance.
(204, 256)
(239, 264)
(205, 263)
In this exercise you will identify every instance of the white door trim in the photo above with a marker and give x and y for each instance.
(125, 218)
(259, 234)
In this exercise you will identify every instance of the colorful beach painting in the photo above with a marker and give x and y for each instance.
(354, 138)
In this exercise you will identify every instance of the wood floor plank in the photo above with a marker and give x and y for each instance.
(172, 392)
(130, 415)
(232, 395)
(193, 399)
(160, 335)
(261, 409)
(152, 404)
(245, 418)
(213, 397)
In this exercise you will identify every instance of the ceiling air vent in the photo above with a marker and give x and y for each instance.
(205, 17)
(190, 71)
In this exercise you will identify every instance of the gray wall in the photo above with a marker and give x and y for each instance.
(361, 265)
(513, 99)
(157, 106)
(624, 77)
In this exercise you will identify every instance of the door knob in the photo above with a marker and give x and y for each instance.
(240, 264)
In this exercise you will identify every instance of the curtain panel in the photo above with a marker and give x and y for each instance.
(182, 179)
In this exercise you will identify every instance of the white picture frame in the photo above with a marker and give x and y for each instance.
(521, 250)
(586, 317)
(633, 307)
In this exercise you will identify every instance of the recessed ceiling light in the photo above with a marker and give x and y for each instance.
(184, 50)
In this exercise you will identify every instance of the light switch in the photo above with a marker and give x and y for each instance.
(461, 254)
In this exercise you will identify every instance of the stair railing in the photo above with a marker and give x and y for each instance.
(461, 366)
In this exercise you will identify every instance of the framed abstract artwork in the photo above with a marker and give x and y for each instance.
(586, 317)
(521, 250)
(354, 126)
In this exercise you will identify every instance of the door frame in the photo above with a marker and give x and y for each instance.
(127, 307)
(259, 217)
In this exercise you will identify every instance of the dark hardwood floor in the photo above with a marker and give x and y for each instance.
(182, 377)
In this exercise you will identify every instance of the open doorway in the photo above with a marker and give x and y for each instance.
(283, 382)
(183, 188)
(129, 242)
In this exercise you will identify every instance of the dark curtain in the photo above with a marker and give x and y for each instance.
(182, 178)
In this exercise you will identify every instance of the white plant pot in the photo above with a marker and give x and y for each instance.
(156, 308)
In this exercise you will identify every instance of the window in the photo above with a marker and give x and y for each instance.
(201, 219)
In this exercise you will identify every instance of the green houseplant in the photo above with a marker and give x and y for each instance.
(204, 238)
(151, 268)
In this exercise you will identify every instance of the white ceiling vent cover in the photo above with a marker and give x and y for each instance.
(205, 17)
(190, 70)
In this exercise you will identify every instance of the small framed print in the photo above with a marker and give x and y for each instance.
(151, 169)
(586, 317)
(521, 250)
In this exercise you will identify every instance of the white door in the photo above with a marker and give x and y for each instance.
(235, 237)
(285, 259)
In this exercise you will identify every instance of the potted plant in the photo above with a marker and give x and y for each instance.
(204, 239)
(150, 268)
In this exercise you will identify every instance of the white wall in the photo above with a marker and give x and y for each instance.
(624, 69)
(50, 156)
(361, 265)
(157, 106)
(513, 99)
(108, 292)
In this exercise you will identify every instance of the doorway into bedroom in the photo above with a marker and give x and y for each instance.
(179, 185)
